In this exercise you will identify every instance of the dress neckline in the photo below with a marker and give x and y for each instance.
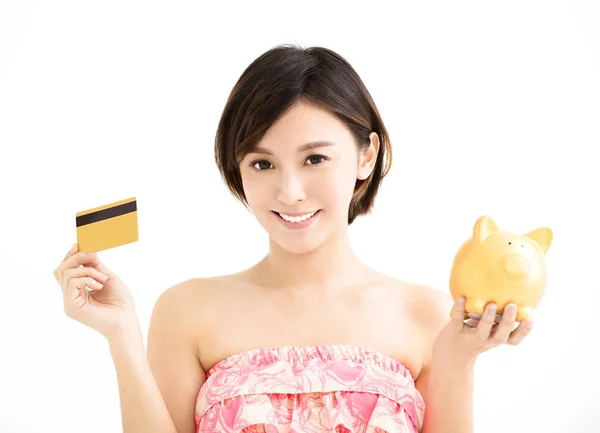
(340, 351)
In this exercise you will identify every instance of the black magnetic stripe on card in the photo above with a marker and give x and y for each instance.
(104, 214)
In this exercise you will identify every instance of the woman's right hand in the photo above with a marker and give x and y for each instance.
(107, 306)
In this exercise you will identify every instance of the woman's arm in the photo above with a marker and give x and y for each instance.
(446, 388)
(448, 393)
(158, 391)
(447, 379)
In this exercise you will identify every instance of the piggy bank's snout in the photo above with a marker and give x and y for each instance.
(517, 266)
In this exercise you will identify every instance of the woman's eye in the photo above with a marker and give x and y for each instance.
(315, 159)
(261, 165)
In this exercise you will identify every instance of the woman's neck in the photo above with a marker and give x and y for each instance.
(331, 264)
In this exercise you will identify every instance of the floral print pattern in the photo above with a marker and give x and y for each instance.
(312, 389)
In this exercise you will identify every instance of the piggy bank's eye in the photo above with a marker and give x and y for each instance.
(510, 243)
(522, 246)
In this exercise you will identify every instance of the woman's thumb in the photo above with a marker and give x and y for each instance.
(100, 266)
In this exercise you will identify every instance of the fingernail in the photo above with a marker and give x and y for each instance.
(491, 309)
(529, 324)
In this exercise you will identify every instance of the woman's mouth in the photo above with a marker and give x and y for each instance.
(297, 221)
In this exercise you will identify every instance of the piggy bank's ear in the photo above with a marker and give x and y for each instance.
(484, 227)
(541, 236)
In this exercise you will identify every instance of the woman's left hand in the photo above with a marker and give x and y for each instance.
(463, 342)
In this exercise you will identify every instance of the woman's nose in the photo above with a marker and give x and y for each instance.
(290, 189)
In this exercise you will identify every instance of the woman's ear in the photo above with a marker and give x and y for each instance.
(368, 157)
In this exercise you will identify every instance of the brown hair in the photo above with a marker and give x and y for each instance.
(277, 79)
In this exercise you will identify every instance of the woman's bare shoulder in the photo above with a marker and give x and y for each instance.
(429, 306)
(198, 297)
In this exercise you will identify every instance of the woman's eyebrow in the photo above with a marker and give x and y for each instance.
(302, 148)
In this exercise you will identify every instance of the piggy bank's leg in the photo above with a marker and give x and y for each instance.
(524, 313)
(475, 306)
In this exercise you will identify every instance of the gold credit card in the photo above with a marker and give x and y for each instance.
(107, 226)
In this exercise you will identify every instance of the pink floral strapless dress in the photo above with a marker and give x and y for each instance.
(335, 388)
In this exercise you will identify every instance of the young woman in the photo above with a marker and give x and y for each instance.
(309, 339)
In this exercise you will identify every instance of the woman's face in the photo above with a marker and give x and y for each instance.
(300, 178)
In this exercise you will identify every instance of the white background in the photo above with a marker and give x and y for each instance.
(493, 108)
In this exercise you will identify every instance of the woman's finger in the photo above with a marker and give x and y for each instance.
(73, 250)
(458, 313)
(520, 332)
(74, 261)
(484, 328)
(83, 283)
(506, 325)
(99, 265)
(75, 294)
(85, 272)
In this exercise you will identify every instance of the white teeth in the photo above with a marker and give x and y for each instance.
(298, 218)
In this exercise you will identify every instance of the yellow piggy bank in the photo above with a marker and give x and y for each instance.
(501, 267)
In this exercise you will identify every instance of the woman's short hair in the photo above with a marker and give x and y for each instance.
(276, 80)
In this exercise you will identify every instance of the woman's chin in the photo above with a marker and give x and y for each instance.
(297, 246)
